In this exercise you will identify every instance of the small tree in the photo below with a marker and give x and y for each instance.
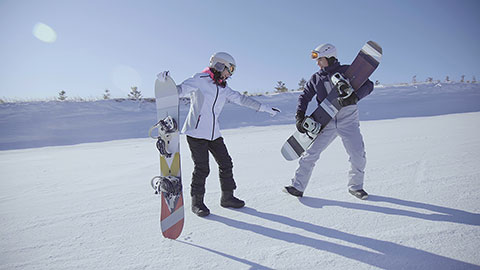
(414, 79)
(281, 87)
(135, 94)
(301, 84)
(429, 79)
(377, 82)
(463, 79)
(474, 79)
(62, 95)
(106, 95)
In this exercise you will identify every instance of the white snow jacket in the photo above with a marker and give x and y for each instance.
(206, 103)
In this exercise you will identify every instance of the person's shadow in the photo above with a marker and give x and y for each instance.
(252, 265)
(377, 253)
(441, 213)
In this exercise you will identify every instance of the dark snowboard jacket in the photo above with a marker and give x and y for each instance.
(316, 86)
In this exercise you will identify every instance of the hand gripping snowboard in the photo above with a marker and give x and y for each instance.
(364, 64)
(169, 183)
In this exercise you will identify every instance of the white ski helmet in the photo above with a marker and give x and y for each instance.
(221, 60)
(325, 50)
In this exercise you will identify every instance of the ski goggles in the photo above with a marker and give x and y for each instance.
(315, 55)
(221, 66)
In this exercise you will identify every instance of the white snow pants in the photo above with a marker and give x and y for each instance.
(346, 125)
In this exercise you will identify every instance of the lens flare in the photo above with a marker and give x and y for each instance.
(44, 33)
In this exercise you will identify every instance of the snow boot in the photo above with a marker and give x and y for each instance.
(198, 207)
(228, 200)
(361, 194)
(293, 191)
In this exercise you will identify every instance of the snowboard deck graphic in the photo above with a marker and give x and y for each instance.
(364, 64)
(172, 212)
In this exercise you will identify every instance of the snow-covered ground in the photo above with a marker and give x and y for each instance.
(90, 205)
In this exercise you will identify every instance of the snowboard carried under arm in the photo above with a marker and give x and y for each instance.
(169, 183)
(364, 64)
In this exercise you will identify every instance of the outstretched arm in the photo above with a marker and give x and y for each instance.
(249, 102)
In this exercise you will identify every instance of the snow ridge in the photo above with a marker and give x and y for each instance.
(39, 124)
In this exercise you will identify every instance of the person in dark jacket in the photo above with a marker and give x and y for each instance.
(345, 124)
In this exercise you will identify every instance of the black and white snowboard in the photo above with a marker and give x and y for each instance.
(364, 64)
(169, 183)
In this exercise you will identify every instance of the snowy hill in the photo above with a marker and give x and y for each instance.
(90, 205)
(37, 124)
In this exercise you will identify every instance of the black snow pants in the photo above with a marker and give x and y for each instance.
(200, 149)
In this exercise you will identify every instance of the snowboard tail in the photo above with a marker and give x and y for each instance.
(172, 220)
(296, 145)
(364, 64)
(172, 213)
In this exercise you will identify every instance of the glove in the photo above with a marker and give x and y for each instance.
(300, 117)
(351, 100)
(269, 109)
(162, 76)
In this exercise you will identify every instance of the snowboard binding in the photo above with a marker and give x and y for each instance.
(342, 85)
(169, 185)
(311, 126)
(165, 128)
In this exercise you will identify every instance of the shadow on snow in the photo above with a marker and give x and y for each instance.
(388, 255)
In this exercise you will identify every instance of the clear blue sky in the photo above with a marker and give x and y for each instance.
(106, 44)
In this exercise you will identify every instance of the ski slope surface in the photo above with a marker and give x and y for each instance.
(66, 204)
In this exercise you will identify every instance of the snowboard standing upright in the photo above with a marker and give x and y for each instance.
(364, 64)
(169, 183)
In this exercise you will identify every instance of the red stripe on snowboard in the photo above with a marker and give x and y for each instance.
(174, 231)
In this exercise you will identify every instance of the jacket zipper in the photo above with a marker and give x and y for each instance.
(198, 121)
(213, 112)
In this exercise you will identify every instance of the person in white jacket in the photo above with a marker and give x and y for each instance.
(208, 92)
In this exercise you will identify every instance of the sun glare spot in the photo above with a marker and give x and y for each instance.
(44, 33)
